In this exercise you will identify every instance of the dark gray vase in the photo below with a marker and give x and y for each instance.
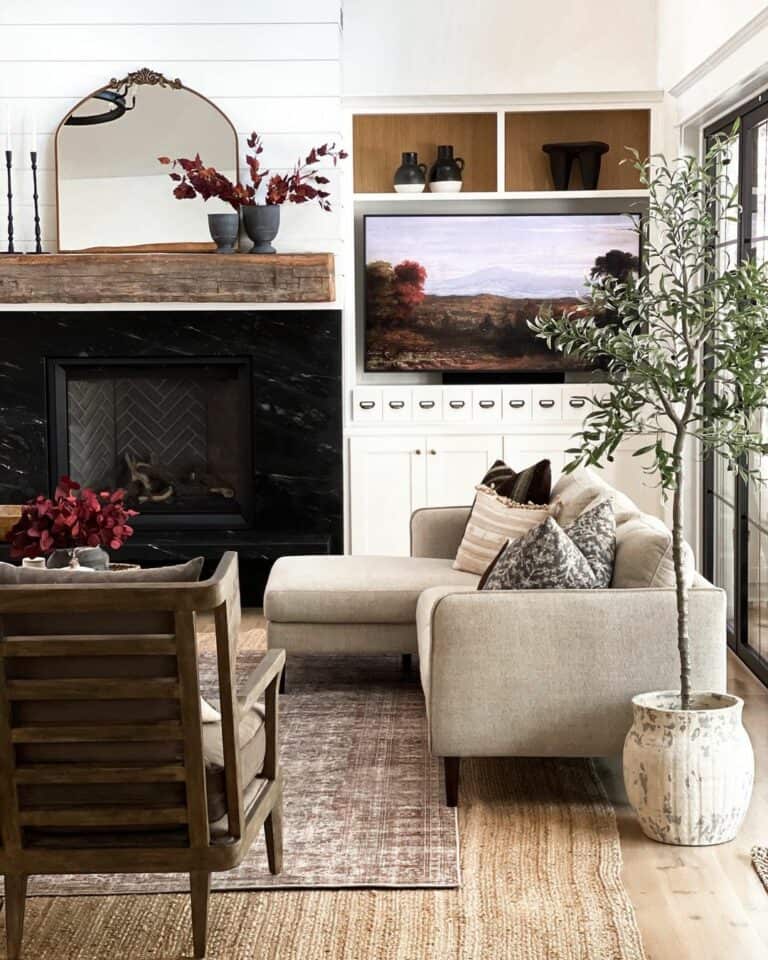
(95, 558)
(224, 228)
(261, 222)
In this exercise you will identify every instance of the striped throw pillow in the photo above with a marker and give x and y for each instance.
(493, 521)
(532, 485)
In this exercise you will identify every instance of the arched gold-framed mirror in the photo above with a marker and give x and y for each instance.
(112, 193)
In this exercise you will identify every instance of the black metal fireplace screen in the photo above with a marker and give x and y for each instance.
(176, 434)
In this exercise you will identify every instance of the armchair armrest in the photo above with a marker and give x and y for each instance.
(553, 672)
(437, 531)
(260, 678)
(264, 679)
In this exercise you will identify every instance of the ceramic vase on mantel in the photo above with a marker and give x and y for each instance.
(688, 773)
(224, 229)
(262, 222)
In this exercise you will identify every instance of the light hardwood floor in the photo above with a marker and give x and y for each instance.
(703, 903)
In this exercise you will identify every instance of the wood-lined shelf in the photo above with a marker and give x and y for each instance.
(506, 195)
(379, 140)
(527, 166)
(293, 278)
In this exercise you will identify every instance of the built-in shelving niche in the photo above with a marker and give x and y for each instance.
(380, 138)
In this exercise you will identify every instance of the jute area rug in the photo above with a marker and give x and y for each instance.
(541, 868)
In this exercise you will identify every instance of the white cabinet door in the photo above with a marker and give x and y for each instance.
(455, 465)
(626, 474)
(522, 451)
(387, 483)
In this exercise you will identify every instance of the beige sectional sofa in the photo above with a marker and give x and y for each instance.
(508, 673)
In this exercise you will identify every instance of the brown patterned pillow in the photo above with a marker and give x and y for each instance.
(532, 485)
(493, 521)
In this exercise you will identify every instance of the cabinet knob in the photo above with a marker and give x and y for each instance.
(433, 452)
(417, 452)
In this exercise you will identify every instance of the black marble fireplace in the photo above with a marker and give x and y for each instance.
(223, 426)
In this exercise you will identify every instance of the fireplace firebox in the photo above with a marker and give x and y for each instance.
(175, 433)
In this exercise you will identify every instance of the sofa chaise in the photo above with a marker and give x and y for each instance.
(508, 673)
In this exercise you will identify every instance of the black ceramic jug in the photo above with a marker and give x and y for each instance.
(410, 176)
(445, 175)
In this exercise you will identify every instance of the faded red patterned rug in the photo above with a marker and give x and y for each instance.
(363, 797)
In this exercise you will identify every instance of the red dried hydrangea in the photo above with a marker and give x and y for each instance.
(70, 519)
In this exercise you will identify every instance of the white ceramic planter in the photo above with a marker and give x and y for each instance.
(688, 773)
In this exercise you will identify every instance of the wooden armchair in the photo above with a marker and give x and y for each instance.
(106, 766)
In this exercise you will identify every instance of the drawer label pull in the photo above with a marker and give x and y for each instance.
(426, 404)
(367, 404)
(577, 401)
(397, 404)
(486, 404)
(516, 404)
(547, 404)
(455, 404)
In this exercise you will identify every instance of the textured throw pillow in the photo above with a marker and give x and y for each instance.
(493, 521)
(187, 572)
(575, 491)
(594, 533)
(532, 485)
(544, 559)
(644, 555)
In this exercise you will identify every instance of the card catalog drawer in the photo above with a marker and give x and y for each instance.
(516, 404)
(577, 401)
(486, 403)
(547, 403)
(396, 405)
(457, 403)
(427, 403)
(366, 404)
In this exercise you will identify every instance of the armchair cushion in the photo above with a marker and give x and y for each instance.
(252, 750)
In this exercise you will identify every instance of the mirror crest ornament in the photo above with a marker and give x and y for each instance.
(112, 193)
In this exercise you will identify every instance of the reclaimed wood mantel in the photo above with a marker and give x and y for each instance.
(167, 278)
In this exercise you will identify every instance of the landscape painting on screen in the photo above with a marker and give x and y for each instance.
(457, 292)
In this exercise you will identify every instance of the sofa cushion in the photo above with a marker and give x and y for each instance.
(575, 491)
(531, 485)
(354, 589)
(644, 555)
(26, 576)
(493, 521)
(252, 751)
(544, 559)
(594, 533)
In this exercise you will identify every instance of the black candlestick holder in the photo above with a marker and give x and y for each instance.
(38, 242)
(8, 166)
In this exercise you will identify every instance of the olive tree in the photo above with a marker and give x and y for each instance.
(683, 344)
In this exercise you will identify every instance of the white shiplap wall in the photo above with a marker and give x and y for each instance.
(272, 66)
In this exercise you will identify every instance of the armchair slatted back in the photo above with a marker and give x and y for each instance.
(100, 727)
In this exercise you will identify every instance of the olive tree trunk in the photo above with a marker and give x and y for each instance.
(683, 639)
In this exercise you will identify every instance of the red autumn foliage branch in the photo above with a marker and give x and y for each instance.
(303, 184)
(70, 519)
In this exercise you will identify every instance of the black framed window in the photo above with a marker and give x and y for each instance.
(735, 513)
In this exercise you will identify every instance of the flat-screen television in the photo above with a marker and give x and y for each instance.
(455, 292)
